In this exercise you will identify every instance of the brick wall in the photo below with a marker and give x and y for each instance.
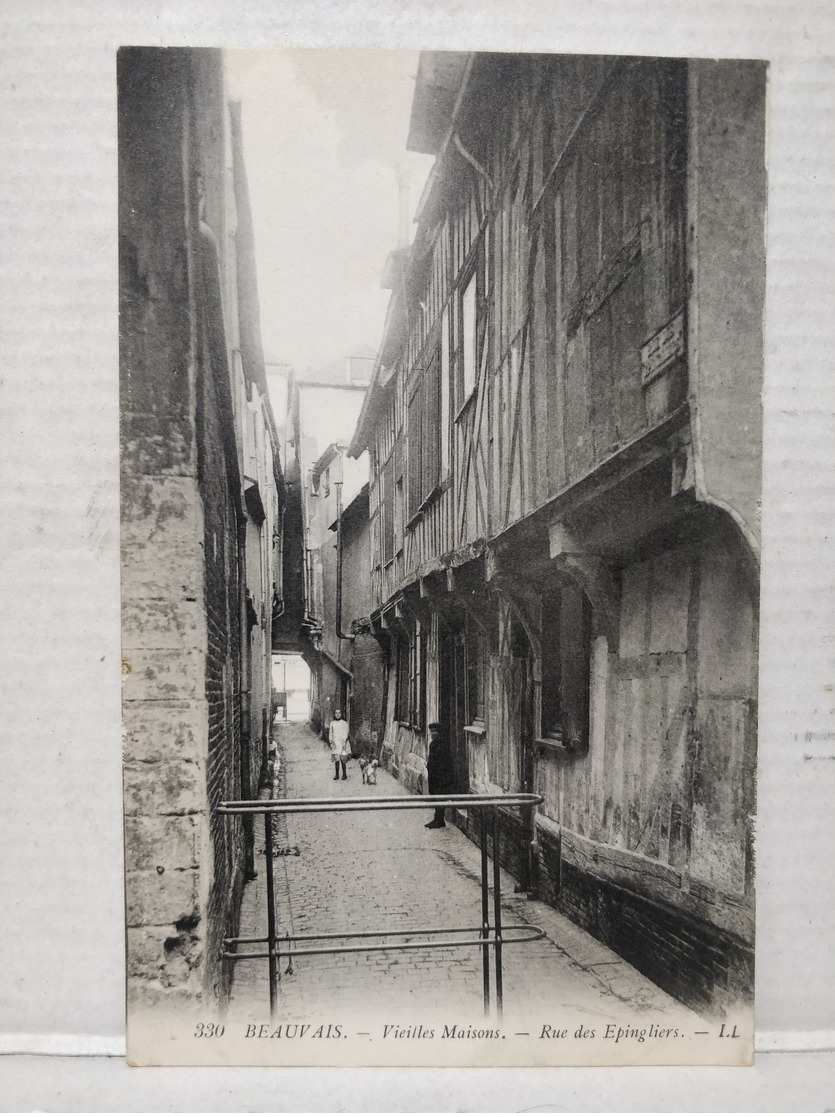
(701, 966)
(222, 595)
(514, 839)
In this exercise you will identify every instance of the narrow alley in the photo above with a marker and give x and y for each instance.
(502, 518)
(383, 869)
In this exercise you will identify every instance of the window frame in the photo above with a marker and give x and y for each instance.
(476, 677)
(424, 435)
(389, 532)
(566, 670)
(469, 283)
(473, 276)
(411, 670)
(446, 395)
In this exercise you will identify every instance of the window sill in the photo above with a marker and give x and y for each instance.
(556, 745)
(476, 730)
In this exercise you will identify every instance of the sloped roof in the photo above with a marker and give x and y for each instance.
(439, 77)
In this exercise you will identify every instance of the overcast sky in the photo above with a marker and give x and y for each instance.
(324, 135)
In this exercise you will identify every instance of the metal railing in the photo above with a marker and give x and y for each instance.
(489, 936)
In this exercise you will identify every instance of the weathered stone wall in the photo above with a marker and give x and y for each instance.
(180, 575)
(367, 660)
(368, 666)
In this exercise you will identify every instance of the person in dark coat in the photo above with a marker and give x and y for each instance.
(439, 770)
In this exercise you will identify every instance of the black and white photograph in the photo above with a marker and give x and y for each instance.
(441, 433)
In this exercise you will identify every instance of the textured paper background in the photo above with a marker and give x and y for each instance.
(61, 955)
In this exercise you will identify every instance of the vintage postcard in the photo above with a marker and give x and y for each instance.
(441, 440)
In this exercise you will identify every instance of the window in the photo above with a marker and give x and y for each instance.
(398, 514)
(388, 510)
(444, 408)
(424, 436)
(401, 711)
(431, 457)
(417, 703)
(476, 666)
(411, 677)
(415, 470)
(468, 330)
(468, 340)
(566, 655)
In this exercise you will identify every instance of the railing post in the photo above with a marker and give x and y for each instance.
(271, 939)
(485, 911)
(477, 803)
(497, 913)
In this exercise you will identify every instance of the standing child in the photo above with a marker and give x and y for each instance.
(340, 748)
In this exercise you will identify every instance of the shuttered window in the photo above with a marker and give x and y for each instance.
(424, 418)
(388, 510)
(468, 329)
(415, 464)
(431, 461)
(468, 339)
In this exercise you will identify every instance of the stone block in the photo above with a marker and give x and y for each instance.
(164, 843)
(165, 955)
(162, 532)
(167, 674)
(164, 788)
(154, 445)
(159, 510)
(157, 623)
(159, 574)
(155, 731)
(160, 898)
(143, 994)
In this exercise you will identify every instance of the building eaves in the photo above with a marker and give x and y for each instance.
(375, 392)
(356, 509)
(329, 454)
(443, 77)
(439, 78)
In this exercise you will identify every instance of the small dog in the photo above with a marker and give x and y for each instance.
(369, 770)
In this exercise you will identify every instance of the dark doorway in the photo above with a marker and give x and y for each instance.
(522, 654)
(452, 701)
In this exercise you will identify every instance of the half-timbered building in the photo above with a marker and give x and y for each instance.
(564, 431)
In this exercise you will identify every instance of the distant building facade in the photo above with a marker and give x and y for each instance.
(202, 515)
(323, 409)
(564, 435)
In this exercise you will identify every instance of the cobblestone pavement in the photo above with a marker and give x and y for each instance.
(381, 869)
